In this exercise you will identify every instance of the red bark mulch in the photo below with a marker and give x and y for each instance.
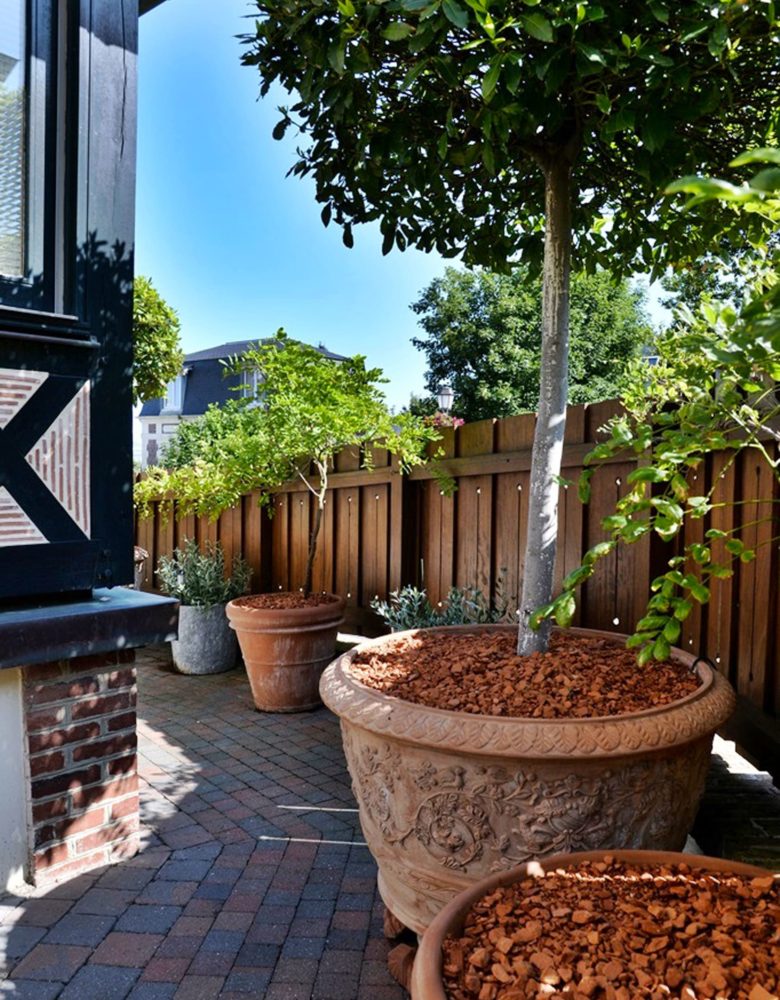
(580, 677)
(286, 600)
(609, 930)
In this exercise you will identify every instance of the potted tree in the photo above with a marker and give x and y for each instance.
(502, 132)
(306, 407)
(206, 644)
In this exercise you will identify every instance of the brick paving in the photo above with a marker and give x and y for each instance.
(253, 880)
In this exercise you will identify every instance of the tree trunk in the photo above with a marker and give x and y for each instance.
(315, 530)
(553, 392)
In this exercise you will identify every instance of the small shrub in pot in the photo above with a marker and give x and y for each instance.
(197, 578)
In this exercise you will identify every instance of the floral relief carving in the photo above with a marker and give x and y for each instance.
(488, 818)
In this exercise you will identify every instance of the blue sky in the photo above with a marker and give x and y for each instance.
(231, 243)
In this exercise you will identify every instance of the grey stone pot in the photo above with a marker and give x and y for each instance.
(206, 643)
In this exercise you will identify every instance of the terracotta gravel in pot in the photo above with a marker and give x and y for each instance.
(621, 926)
(447, 797)
(286, 641)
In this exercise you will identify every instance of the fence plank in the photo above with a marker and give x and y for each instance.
(757, 583)
(347, 544)
(322, 571)
(719, 639)
(511, 521)
(374, 512)
(280, 543)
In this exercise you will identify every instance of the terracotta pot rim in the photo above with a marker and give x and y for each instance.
(678, 722)
(451, 916)
(237, 611)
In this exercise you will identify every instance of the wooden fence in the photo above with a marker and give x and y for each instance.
(381, 530)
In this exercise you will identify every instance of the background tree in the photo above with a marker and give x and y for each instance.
(483, 337)
(498, 130)
(157, 353)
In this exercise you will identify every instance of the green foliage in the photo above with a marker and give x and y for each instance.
(197, 577)
(483, 337)
(714, 389)
(410, 608)
(157, 354)
(435, 118)
(307, 408)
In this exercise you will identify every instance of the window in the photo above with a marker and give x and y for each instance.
(251, 381)
(13, 139)
(174, 396)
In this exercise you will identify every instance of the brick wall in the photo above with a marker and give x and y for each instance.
(80, 727)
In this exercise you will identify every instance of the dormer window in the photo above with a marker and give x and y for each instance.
(251, 382)
(174, 396)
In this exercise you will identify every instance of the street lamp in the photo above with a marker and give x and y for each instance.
(444, 398)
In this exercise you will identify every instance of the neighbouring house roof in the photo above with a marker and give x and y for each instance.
(205, 381)
(145, 6)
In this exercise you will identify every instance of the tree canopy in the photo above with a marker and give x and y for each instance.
(157, 354)
(482, 336)
(433, 116)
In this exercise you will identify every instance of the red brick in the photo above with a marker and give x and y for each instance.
(43, 672)
(104, 705)
(45, 787)
(81, 798)
(107, 834)
(105, 748)
(57, 873)
(127, 807)
(43, 693)
(70, 827)
(45, 719)
(59, 737)
(122, 678)
(125, 721)
(50, 810)
(46, 763)
(51, 856)
(122, 765)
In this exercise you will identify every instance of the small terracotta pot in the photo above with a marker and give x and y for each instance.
(426, 981)
(285, 651)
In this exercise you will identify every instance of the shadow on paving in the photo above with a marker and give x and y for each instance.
(252, 879)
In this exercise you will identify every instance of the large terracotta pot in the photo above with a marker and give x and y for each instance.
(426, 974)
(447, 797)
(286, 650)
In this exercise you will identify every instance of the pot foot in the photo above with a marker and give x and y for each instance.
(399, 963)
(393, 928)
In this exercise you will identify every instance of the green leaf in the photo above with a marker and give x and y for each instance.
(280, 128)
(766, 154)
(661, 649)
(672, 631)
(603, 103)
(337, 55)
(659, 11)
(537, 26)
(490, 79)
(397, 30)
(565, 607)
(455, 13)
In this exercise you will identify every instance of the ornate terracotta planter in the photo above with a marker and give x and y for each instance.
(446, 797)
(426, 981)
(286, 650)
